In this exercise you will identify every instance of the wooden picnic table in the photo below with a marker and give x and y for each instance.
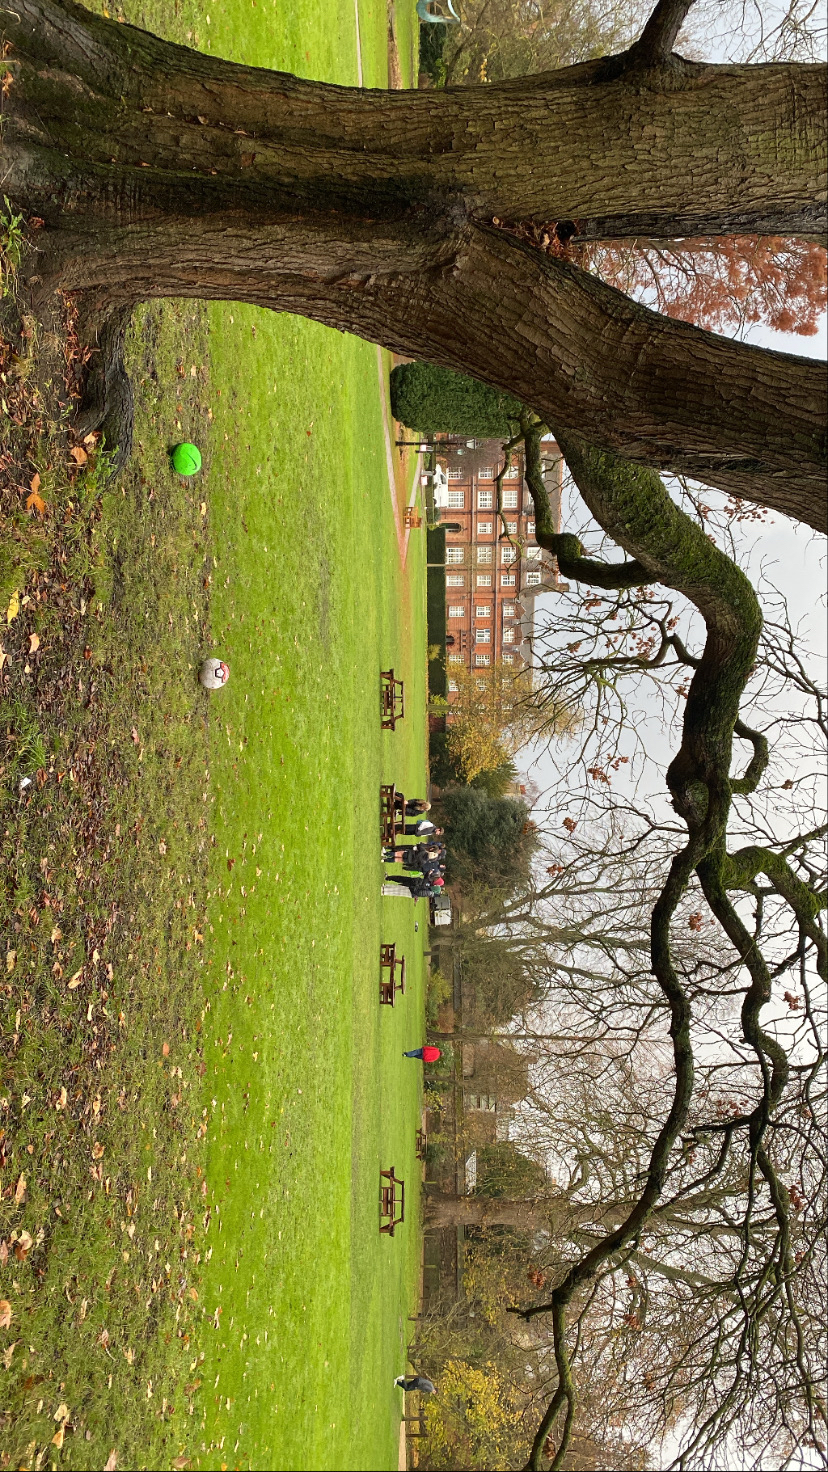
(392, 1201)
(392, 700)
(391, 822)
(420, 1144)
(394, 980)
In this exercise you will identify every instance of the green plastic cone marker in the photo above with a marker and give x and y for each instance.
(186, 459)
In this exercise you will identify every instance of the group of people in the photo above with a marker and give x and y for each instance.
(425, 858)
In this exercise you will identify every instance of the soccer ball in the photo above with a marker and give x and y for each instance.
(214, 674)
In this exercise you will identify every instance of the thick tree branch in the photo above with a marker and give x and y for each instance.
(655, 45)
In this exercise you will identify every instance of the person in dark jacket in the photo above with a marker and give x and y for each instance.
(418, 887)
(413, 806)
(415, 1382)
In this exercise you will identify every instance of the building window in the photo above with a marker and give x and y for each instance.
(454, 554)
(507, 580)
(510, 498)
(486, 473)
(455, 580)
(484, 500)
(456, 610)
(533, 553)
(508, 554)
(481, 660)
(456, 500)
(511, 527)
(484, 528)
(513, 472)
(456, 659)
(530, 528)
(483, 580)
(482, 636)
(484, 554)
(510, 636)
(508, 658)
(452, 684)
(454, 472)
(482, 611)
(533, 577)
(480, 1101)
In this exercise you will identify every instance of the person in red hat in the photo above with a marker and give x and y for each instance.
(429, 1054)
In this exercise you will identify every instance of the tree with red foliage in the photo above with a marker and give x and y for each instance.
(720, 284)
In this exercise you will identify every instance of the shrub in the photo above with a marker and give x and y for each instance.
(435, 400)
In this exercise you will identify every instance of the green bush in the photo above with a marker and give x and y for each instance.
(439, 991)
(490, 840)
(435, 400)
(502, 1170)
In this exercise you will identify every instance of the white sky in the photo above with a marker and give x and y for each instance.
(791, 555)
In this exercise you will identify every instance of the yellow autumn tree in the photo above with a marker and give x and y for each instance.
(492, 715)
(475, 1419)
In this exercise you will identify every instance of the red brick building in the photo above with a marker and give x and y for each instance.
(493, 574)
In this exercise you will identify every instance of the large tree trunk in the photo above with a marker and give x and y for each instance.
(556, 1214)
(161, 172)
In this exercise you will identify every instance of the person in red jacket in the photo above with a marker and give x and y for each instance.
(429, 1054)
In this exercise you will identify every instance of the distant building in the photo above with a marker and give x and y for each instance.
(495, 1078)
(493, 574)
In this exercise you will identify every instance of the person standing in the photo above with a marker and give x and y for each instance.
(418, 886)
(428, 1053)
(422, 826)
(416, 1382)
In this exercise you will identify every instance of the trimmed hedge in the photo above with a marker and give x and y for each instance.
(435, 400)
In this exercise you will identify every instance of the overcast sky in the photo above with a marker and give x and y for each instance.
(790, 554)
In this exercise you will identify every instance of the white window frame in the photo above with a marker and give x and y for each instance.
(511, 527)
(533, 577)
(482, 661)
(510, 498)
(482, 636)
(485, 554)
(455, 472)
(484, 528)
(510, 636)
(452, 685)
(485, 500)
(530, 528)
(486, 473)
(457, 610)
(507, 580)
(482, 610)
(456, 500)
(483, 580)
(455, 580)
(508, 553)
(456, 659)
(534, 553)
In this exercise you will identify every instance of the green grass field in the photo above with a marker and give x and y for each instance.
(206, 1278)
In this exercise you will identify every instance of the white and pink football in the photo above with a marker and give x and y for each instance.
(214, 674)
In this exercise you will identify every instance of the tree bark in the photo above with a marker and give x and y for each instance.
(160, 172)
(556, 1214)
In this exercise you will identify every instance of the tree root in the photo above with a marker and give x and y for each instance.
(107, 404)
